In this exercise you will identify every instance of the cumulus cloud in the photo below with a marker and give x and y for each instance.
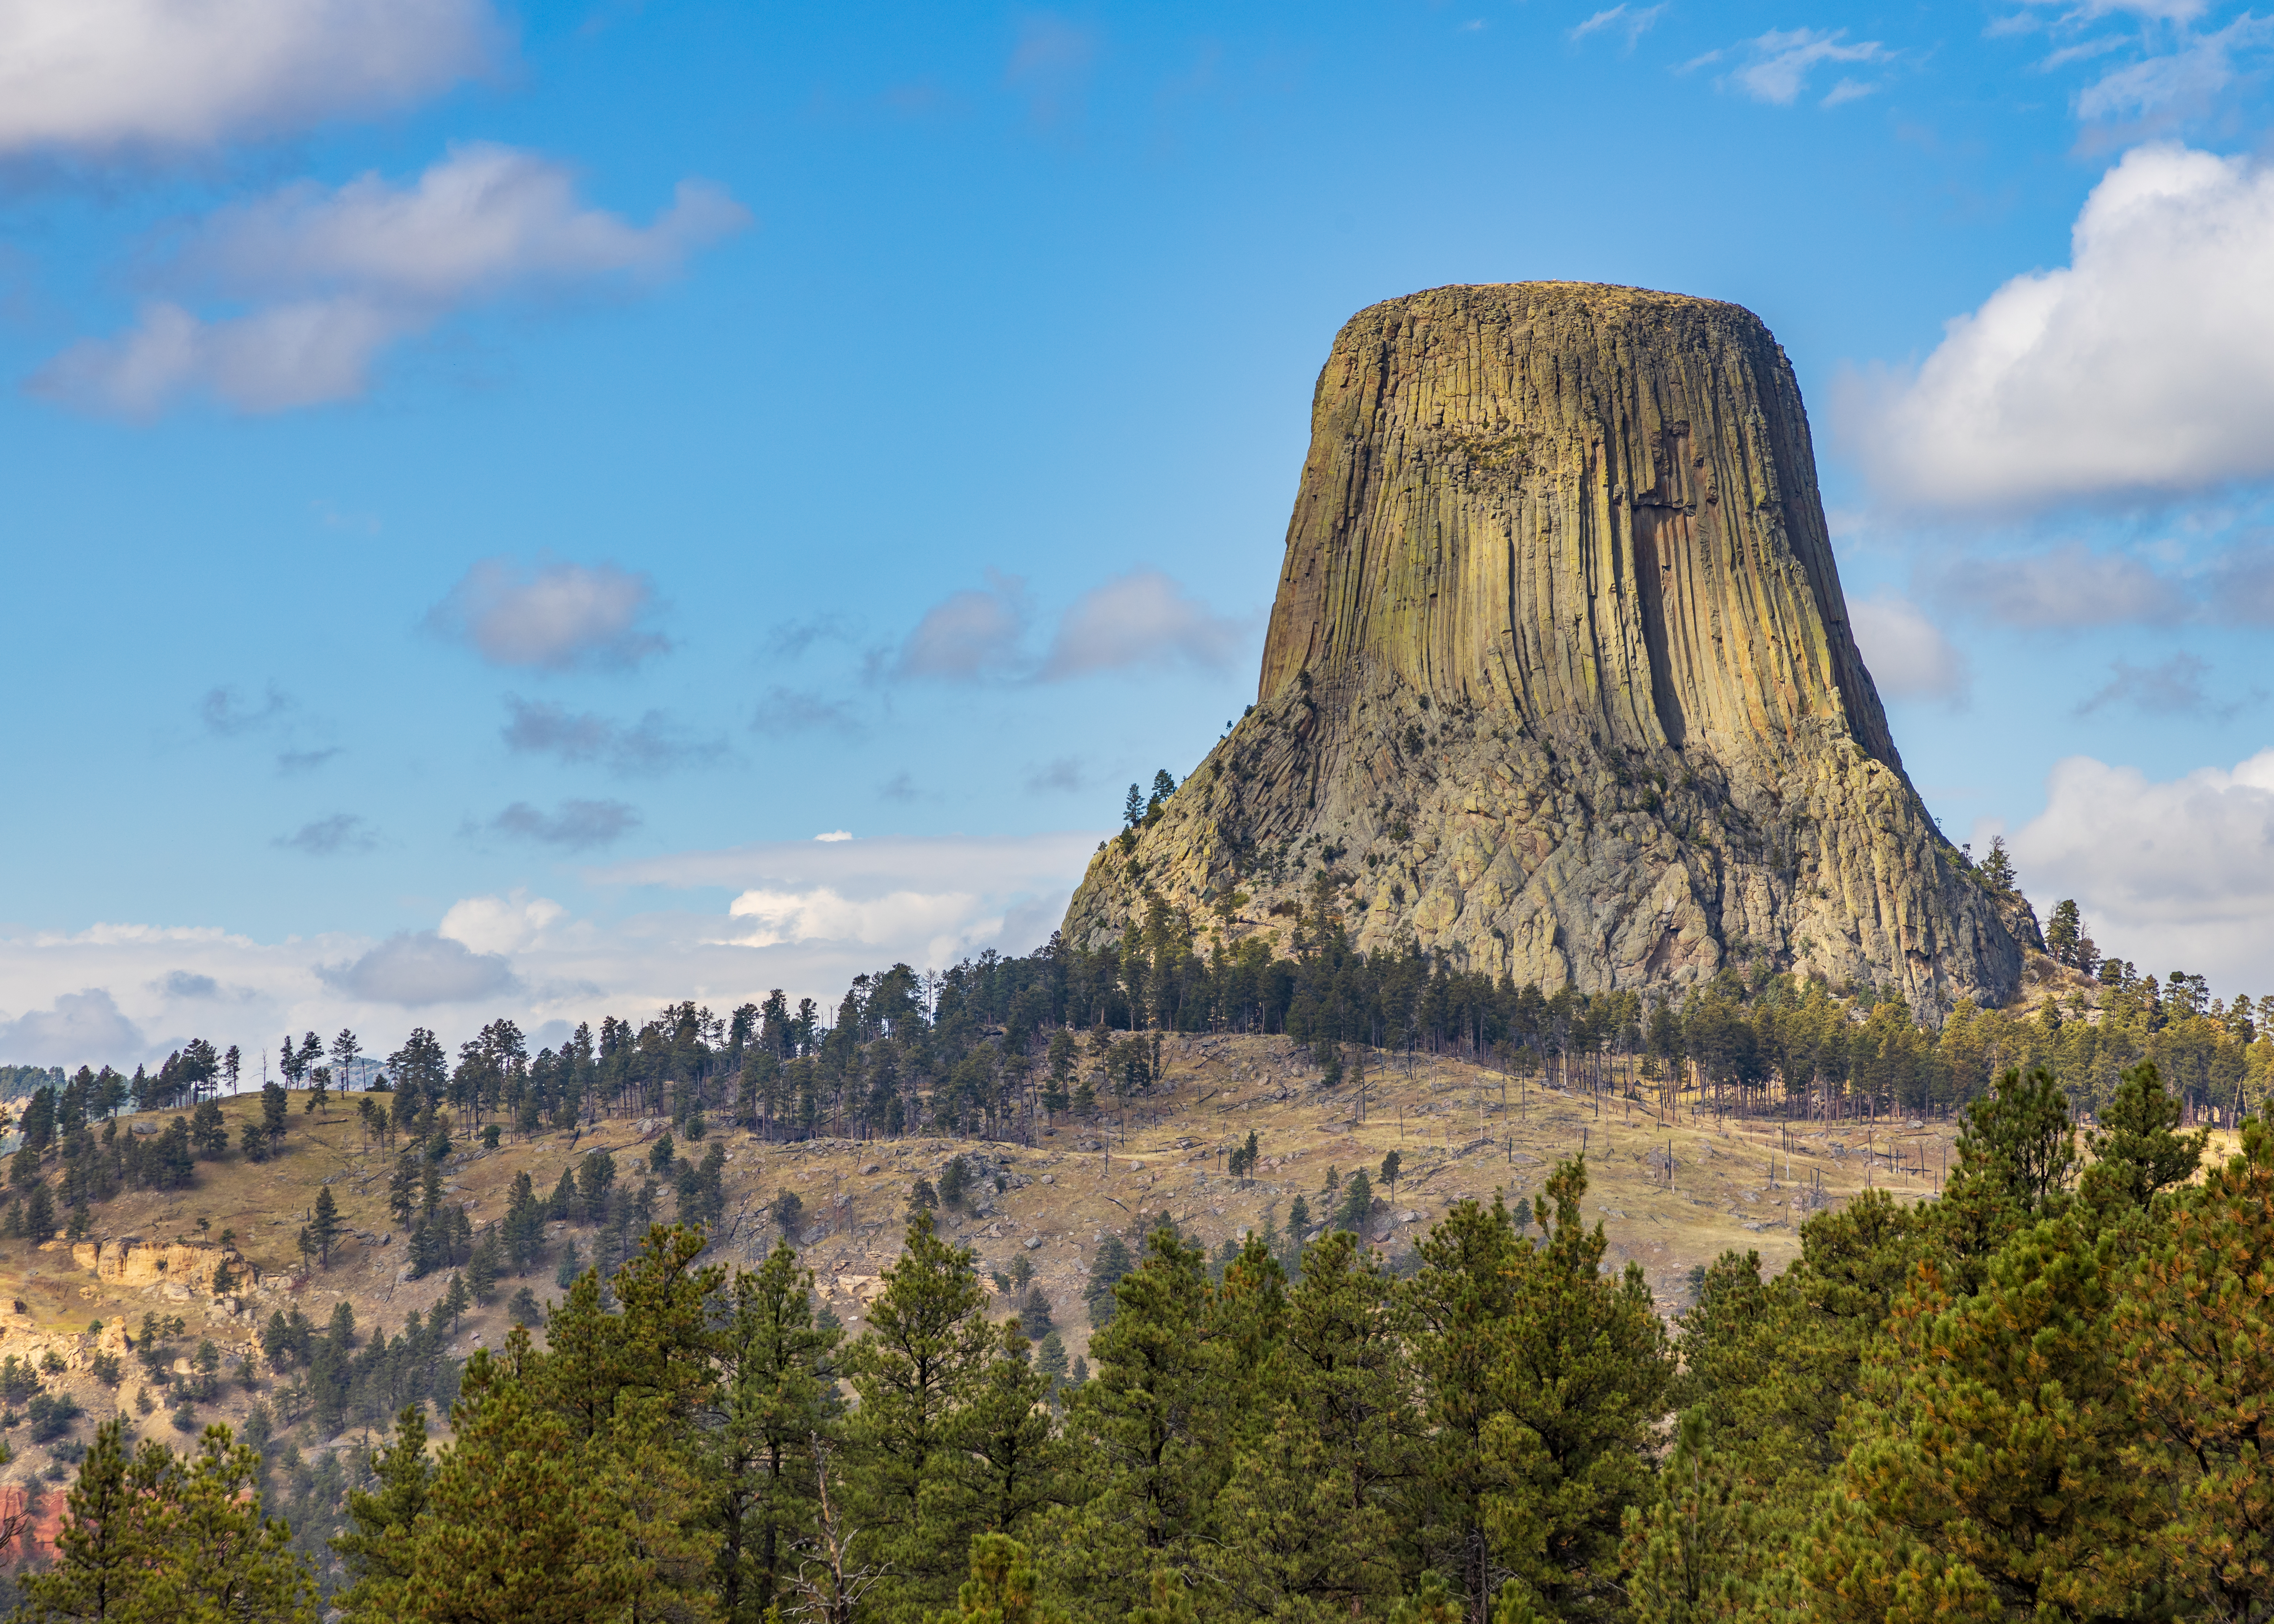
(1779, 63)
(1908, 656)
(80, 1028)
(500, 924)
(2179, 872)
(968, 634)
(928, 901)
(552, 617)
(417, 969)
(335, 276)
(653, 744)
(342, 834)
(2144, 367)
(824, 914)
(576, 825)
(901, 786)
(101, 75)
(1142, 619)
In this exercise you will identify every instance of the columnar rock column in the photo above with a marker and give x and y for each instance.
(1559, 680)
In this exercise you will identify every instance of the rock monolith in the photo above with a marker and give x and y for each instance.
(1559, 682)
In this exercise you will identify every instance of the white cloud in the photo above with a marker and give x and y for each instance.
(1142, 619)
(554, 617)
(419, 969)
(1782, 59)
(2177, 874)
(2143, 367)
(968, 634)
(823, 914)
(503, 924)
(1908, 654)
(831, 908)
(105, 74)
(80, 1028)
(337, 276)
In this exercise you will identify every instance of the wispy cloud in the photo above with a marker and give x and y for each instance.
(1779, 63)
(2173, 687)
(654, 743)
(226, 715)
(1050, 66)
(1140, 619)
(343, 834)
(1630, 21)
(574, 825)
(785, 710)
(1062, 774)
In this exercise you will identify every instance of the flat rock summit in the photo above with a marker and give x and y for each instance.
(1559, 681)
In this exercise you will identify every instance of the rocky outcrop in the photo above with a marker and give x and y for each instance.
(1559, 680)
(185, 1266)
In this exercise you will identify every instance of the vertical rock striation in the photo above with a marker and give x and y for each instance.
(1559, 680)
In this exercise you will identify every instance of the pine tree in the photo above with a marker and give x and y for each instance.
(2196, 1354)
(102, 1548)
(325, 1228)
(924, 1357)
(1000, 1590)
(456, 1300)
(2134, 1152)
(518, 1522)
(1150, 1485)
(154, 1538)
(377, 1545)
(1105, 1271)
(1544, 1378)
(779, 1408)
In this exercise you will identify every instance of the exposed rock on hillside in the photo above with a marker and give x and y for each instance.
(1559, 680)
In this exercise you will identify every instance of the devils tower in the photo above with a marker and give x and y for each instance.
(1559, 681)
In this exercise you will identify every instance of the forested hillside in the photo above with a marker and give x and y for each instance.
(1507, 1433)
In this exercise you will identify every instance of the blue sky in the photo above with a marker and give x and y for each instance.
(488, 486)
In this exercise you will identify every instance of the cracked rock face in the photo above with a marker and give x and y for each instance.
(1559, 680)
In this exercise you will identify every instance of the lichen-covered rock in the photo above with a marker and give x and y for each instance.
(1559, 681)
